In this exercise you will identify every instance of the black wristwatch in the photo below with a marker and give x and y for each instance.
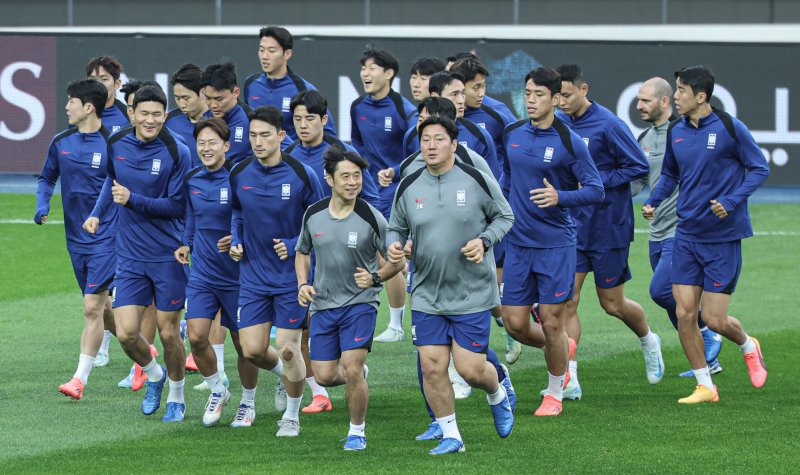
(376, 280)
(486, 244)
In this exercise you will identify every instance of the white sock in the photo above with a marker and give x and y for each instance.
(648, 341)
(316, 389)
(219, 350)
(396, 317)
(555, 385)
(293, 408)
(573, 370)
(703, 376)
(703, 329)
(85, 363)
(748, 346)
(357, 429)
(497, 397)
(215, 383)
(249, 396)
(278, 368)
(449, 427)
(153, 371)
(176, 391)
(106, 341)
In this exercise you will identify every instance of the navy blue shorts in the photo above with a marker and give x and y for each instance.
(94, 272)
(139, 283)
(204, 301)
(610, 266)
(534, 275)
(470, 331)
(336, 330)
(714, 266)
(281, 309)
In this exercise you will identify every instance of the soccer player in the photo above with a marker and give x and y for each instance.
(379, 119)
(540, 258)
(221, 94)
(346, 234)
(605, 231)
(187, 89)
(421, 72)
(270, 193)
(213, 286)
(718, 165)
(278, 84)
(145, 182)
(654, 103)
(78, 155)
(107, 70)
(454, 214)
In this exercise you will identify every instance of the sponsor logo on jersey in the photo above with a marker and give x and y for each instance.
(286, 191)
(712, 141)
(419, 202)
(352, 240)
(548, 155)
(96, 159)
(238, 134)
(223, 196)
(156, 168)
(461, 197)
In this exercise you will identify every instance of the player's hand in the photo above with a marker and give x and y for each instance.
(395, 254)
(120, 194)
(224, 244)
(385, 177)
(280, 249)
(718, 210)
(473, 251)
(305, 294)
(407, 249)
(40, 219)
(363, 278)
(236, 252)
(545, 197)
(182, 254)
(91, 225)
(648, 212)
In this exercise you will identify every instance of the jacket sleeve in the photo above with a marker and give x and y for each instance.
(753, 160)
(498, 213)
(669, 176)
(46, 184)
(630, 160)
(591, 190)
(174, 204)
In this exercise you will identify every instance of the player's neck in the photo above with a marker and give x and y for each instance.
(663, 119)
(584, 107)
(544, 122)
(314, 142)
(90, 125)
(195, 118)
(216, 166)
(442, 168)
(341, 208)
(703, 110)
(378, 95)
(279, 74)
(272, 160)
(110, 101)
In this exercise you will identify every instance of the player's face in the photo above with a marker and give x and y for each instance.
(77, 111)
(474, 91)
(220, 102)
(374, 78)
(310, 127)
(422, 116)
(346, 180)
(265, 140)
(685, 99)
(148, 119)
(273, 58)
(539, 102)
(648, 104)
(100, 74)
(211, 148)
(455, 93)
(437, 147)
(188, 101)
(130, 99)
(572, 97)
(419, 86)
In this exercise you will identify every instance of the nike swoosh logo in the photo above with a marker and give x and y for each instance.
(610, 279)
(560, 294)
(360, 339)
(717, 284)
(475, 344)
(93, 285)
(294, 320)
(255, 98)
(679, 140)
(318, 234)
(514, 145)
(196, 192)
(247, 187)
(121, 158)
(176, 301)
(64, 152)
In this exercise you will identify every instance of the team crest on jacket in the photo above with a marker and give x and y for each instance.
(238, 134)
(156, 166)
(387, 124)
(352, 239)
(461, 198)
(712, 141)
(96, 159)
(286, 191)
(586, 141)
(287, 101)
(223, 196)
(548, 155)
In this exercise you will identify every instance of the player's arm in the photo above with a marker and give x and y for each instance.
(631, 163)
(302, 264)
(667, 183)
(237, 223)
(757, 169)
(355, 133)
(498, 214)
(506, 169)
(182, 253)
(285, 246)
(491, 154)
(369, 190)
(398, 229)
(584, 170)
(46, 184)
(174, 204)
(105, 199)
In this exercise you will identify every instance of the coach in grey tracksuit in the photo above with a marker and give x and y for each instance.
(455, 214)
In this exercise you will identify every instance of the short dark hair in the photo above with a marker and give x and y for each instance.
(441, 80)
(220, 76)
(427, 66)
(449, 126)
(438, 106)
(314, 101)
(89, 91)
(382, 58)
(189, 76)
(571, 73)
(462, 55)
(109, 63)
(547, 77)
(269, 115)
(700, 78)
(469, 68)
(335, 154)
(214, 123)
(134, 85)
(149, 94)
(279, 34)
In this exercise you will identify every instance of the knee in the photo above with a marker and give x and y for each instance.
(289, 351)
(251, 351)
(323, 378)
(127, 339)
(612, 307)
(354, 372)
(514, 326)
(198, 342)
(661, 295)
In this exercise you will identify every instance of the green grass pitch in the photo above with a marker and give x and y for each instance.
(623, 424)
